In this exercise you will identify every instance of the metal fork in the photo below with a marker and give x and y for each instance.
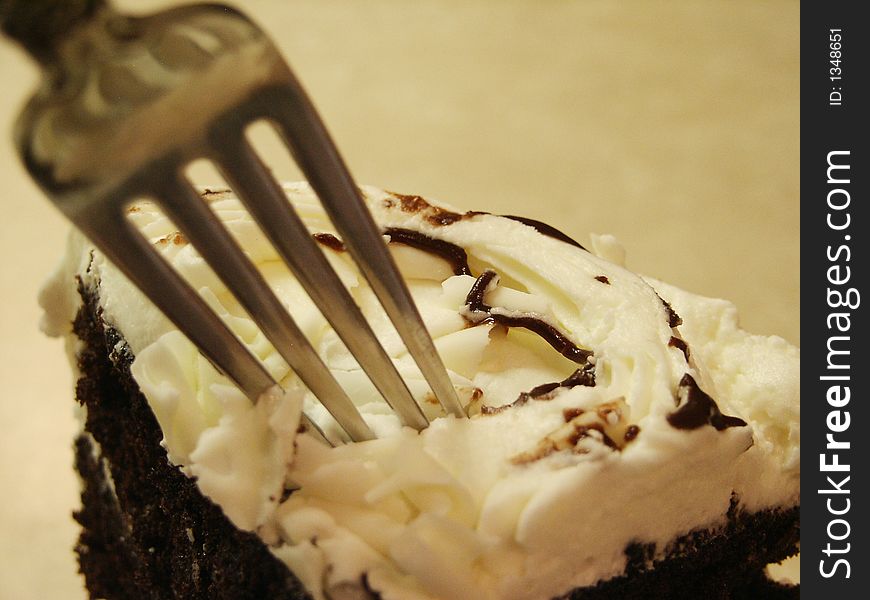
(127, 103)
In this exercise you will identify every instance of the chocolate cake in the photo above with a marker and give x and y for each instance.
(626, 439)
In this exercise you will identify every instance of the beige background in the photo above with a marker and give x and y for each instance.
(673, 125)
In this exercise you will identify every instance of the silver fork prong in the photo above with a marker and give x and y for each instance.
(223, 254)
(317, 157)
(144, 267)
(268, 204)
(138, 260)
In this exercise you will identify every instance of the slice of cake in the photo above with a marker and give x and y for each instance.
(626, 438)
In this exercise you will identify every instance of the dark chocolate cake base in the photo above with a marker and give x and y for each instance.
(147, 531)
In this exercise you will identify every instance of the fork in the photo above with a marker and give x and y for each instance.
(126, 103)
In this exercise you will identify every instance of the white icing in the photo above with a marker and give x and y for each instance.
(498, 506)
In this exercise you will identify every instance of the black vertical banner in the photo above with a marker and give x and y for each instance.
(835, 169)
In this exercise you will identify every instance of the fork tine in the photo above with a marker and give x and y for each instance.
(267, 202)
(119, 241)
(142, 265)
(316, 154)
(196, 220)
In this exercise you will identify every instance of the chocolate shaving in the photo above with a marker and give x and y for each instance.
(176, 238)
(698, 409)
(603, 279)
(543, 451)
(582, 431)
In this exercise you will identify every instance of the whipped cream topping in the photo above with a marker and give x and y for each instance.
(567, 458)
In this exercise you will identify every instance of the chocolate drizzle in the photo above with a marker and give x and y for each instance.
(698, 409)
(441, 217)
(474, 299)
(679, 344)
(435, 215)
(484, 314)
(452, 253)
(444, 217)
(544, 229)
(330, 241)
(585, 375)
(410, 203)
(494, 410)
(674, 320)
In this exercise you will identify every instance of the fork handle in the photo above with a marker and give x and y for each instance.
(40, 25)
